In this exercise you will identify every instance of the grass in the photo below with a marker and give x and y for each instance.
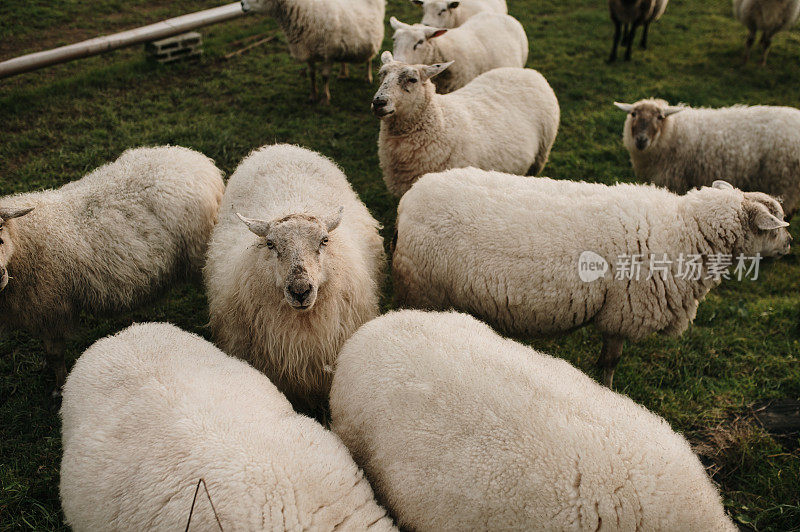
(59, 123)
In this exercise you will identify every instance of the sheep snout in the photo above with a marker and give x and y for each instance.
(300, 293)
(3, 278)
(641, 142)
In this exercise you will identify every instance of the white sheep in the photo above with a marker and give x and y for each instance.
(149, 412)
(484, 42)
(460, 429)
(104, 243)
(627, 15)
(678, 147)
(512, 251)
(452, 13)
(505, 119)
(288, 286)
(327, 32)
(767, 16)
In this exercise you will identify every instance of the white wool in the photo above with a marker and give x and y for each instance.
(486, 41)
(249, 315)
(506, 248)
(451, 14)
(460, 429)
(108, 241)
(753, 148)
(769, 16)
(328, 31)
(149, 412)
(505, 119)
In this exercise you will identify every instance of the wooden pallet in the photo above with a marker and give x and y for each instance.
(175, 48)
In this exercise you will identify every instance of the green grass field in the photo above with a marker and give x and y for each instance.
(742, 351)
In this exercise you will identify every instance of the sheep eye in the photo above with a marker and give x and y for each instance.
(661, 117)
(270, 244)
(324, 241)
(633, 114)
(1, 242)
(442, 11)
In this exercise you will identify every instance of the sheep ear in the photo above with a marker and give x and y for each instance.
(627, 107)
(428, 72)
(671, 110)
(767, 222)
(453, 5)
(259, 227)
(432, 33)
(396, 24)
(332, 221)
(7, 213)
(386, 57)
(722, 185)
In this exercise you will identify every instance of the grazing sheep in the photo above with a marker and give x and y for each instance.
(627, 15)
(104, 243)
(286, 290)
(767, 16)
(754, 148)
(484, 42)
(508, 249)
(505, 119)
(460, 429)
(149, 412)
(451, 14)
(327, 32)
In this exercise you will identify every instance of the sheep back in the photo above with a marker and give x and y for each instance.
(150, 411)
(460, 429)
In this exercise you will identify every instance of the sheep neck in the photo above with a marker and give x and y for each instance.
(426, 119)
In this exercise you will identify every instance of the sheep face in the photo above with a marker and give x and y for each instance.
(412, 41)
(295, 249)
(438, 14)
(768, 234)
(645, 122)
(6, 245)
(254, 5)
(405, 89)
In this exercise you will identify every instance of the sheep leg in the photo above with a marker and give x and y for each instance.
(617, 28)
(326, 78)
(626, 31)
(312, 74)
(54, 356)
(609, 357)
(631, 37)
(766, 41)
(645, 29)
(344, 73)
(751, 38)
(369, 70)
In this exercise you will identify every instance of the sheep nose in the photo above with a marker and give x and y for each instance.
(300, 291)
(641, 142)
(379, 102)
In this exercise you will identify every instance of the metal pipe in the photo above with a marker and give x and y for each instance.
(99, 45)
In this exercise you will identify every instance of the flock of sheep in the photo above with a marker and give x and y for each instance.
(453, 426)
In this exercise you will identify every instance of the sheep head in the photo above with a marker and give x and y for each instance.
(6, 244)
(405, 89)
(295, 248)
(645, 122)
(439, 14)
(412, 42)
(766, 232)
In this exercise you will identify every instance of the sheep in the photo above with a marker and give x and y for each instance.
(286, 289)
(452, 14)
(326, 32)
(151, 411)
(104, 243)
(627, 15)
(460, 429)
(513, 250)
(484, 42)
(767, 16)
(505, 119)
(678, 147)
